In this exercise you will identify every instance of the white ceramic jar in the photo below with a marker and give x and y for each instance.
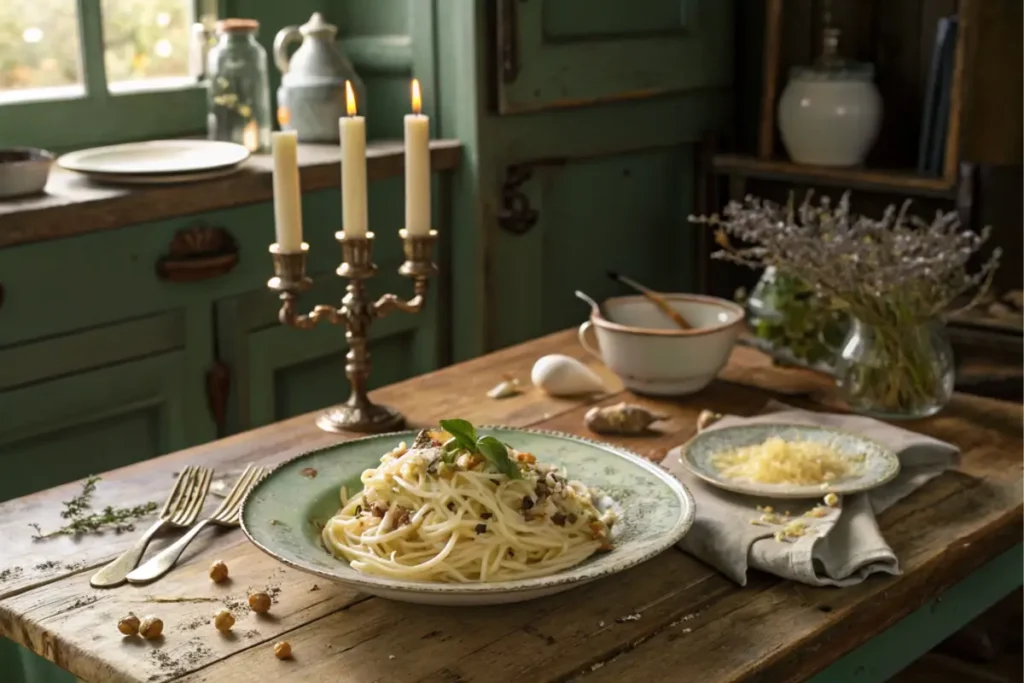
(830, 117)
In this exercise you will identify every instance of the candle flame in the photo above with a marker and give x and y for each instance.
(417, 100)
(350, 99)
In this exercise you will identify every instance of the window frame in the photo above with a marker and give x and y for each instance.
(98, 116)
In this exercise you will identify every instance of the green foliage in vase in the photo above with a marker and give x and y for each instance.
(802, 322)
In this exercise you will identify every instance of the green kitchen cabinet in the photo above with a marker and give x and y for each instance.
(80, 404)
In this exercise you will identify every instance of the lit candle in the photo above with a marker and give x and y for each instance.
(417, 167)
(287, 198)
(353, 168)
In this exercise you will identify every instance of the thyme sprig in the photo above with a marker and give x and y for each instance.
(82, 521)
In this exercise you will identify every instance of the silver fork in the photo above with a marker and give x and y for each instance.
(225, 515)
(181, 509)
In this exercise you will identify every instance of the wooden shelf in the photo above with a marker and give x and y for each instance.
(897, 182)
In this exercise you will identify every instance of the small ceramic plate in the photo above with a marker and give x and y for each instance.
(283, 514)
(879, 465)
(156, 156)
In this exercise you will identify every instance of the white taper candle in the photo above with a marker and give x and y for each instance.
(352, 129)
(287, 194)
(417, 167)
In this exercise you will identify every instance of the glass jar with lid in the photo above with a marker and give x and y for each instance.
(238, 91)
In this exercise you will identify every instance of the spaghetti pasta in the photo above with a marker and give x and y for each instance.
(436, 513)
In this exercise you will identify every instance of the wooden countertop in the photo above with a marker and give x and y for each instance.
(73, 205)
(694, 623)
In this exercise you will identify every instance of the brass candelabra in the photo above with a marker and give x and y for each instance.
(356, 313)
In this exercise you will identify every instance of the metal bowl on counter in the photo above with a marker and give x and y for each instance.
(23, 171)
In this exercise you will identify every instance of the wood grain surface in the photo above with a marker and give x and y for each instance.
(73, 205)
(692, 621)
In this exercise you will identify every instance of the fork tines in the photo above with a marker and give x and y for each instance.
(230, 507)
(186, 499)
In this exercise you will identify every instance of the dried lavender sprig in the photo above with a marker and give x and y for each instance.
(885, 269)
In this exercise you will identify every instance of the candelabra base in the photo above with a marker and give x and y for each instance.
(367, 419)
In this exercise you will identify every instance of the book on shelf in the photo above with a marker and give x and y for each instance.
(931, 149)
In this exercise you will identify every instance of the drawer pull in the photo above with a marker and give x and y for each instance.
(198, 253)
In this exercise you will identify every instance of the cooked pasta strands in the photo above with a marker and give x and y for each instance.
(419, 518)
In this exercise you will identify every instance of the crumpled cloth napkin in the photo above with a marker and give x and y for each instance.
(839, 549)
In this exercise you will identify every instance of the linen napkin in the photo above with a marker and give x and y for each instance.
(840, 548)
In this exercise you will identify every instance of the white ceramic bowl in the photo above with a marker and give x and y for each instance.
(651, 355)
(23, 171)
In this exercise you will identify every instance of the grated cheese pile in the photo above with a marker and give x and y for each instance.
(777, 461)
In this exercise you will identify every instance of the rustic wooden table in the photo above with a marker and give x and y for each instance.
(958, 538)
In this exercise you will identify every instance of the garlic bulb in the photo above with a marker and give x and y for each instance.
(558, 375)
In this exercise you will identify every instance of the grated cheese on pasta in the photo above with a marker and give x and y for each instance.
(777, 461)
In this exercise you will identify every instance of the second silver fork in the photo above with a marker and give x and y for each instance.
(181, 509)
(225, 515)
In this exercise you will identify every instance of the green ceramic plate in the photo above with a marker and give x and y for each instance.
(282, 513)
(877, 464)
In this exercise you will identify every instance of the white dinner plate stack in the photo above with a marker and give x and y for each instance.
(157, 162)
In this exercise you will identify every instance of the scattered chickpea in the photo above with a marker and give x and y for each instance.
(706, 419)
(259, 603)
(151, 628)
(129, 625)
(282, 650)
(218, 571)
(224, 621)
(831, 500)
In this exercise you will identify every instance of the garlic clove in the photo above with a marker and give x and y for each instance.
(560, 375)
(509, 387)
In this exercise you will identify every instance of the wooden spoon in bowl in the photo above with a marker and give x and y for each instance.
(654, 297)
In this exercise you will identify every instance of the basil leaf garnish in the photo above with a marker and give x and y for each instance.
(462, 431)
(495, 452)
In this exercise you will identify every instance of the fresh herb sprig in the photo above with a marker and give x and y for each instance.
(82, 521)
(465, 438)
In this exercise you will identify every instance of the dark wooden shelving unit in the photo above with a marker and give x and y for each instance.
(769, 164)
(983, 138)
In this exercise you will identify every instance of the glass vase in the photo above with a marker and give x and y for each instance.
(792, 323)
(896, 372)
(238, 90)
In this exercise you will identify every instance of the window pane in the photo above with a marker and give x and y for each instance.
(146, 39)
(39, 48)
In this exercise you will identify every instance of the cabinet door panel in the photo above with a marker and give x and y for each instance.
(303, 387)
(565, 53)
(636, 224)
(65, 429)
